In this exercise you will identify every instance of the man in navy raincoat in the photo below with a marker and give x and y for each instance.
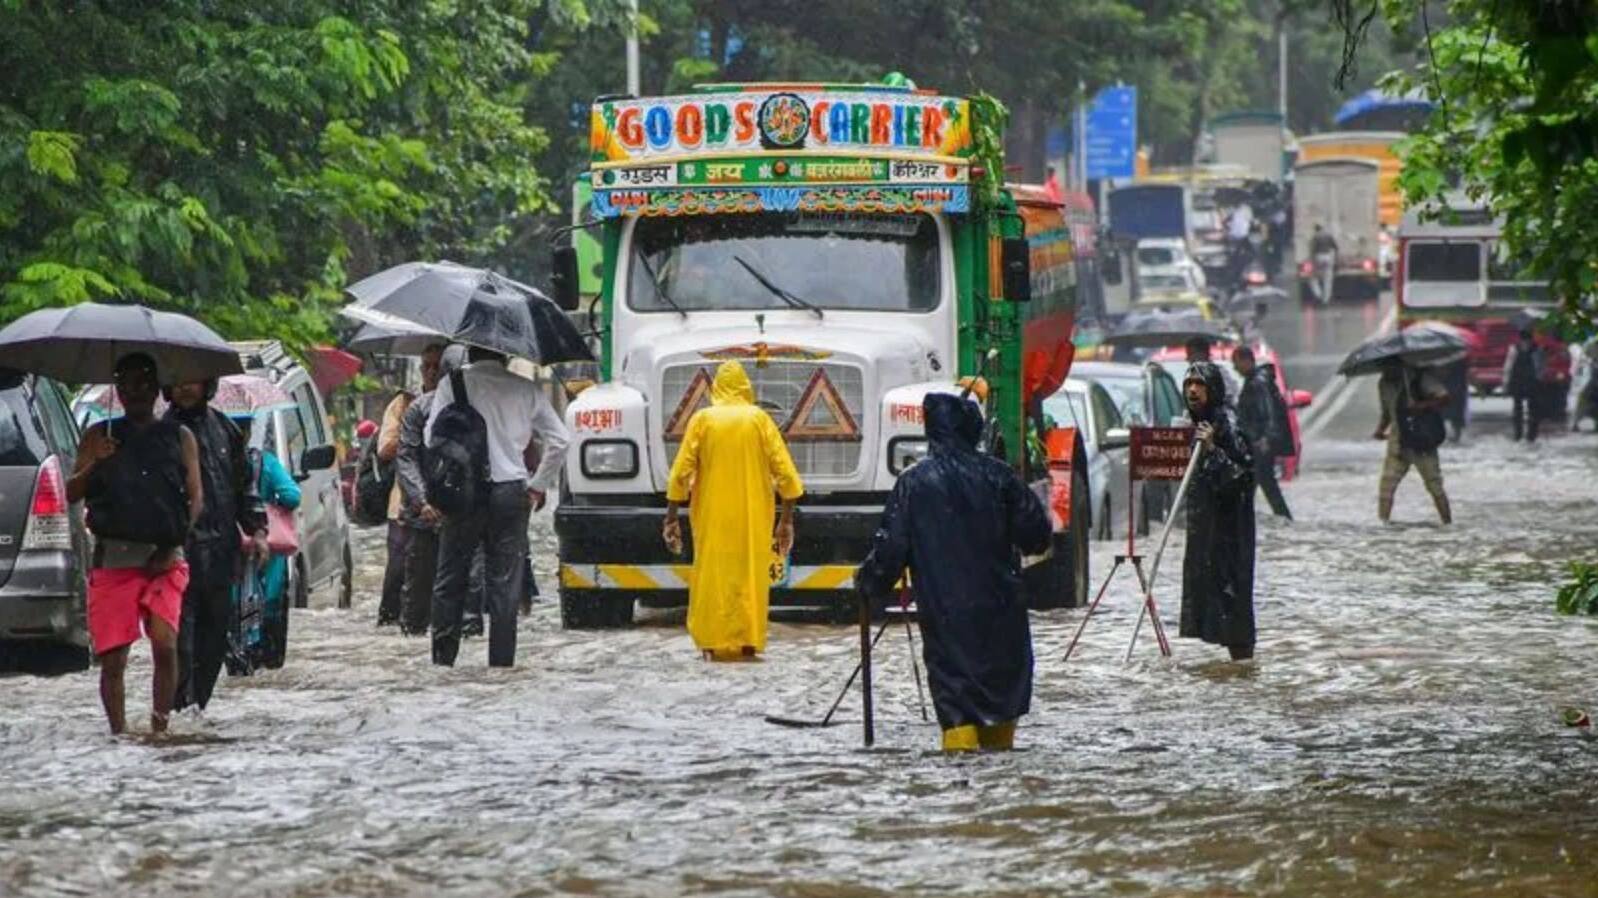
(959, 521)
(1218, 567)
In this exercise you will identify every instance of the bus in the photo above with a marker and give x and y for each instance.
(1454, 267)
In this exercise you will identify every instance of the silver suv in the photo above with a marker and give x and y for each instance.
(326, 557)
(43, 546)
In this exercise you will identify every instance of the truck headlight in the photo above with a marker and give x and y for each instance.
(903, 452)
(609, 459)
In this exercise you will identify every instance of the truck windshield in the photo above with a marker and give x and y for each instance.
(853, 262)
(1449, 262)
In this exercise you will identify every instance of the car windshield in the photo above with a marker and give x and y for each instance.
(1156, 255)
(20, 443)
(854, 262)
(1068, 409)
(1164, 282)
(1127, 394)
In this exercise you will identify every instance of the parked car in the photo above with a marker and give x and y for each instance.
(302, 441)
(1174, 360)
(1088, 407)
(1146, 396)
(1162, 256)
(43, 543)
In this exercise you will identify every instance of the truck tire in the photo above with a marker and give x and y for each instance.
(1061, 581)
(595, 609)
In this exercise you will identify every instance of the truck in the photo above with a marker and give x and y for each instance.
(1341, 195)
(1252, 141)
(856, 248)
(1376, 146)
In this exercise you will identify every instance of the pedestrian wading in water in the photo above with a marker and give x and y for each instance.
(1412, 427)
(958, 522)
(232, 506)
(1218, 568)
(731, 461)
(140, 479)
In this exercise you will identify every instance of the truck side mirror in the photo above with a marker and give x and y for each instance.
(1015, 257)
(565, 278)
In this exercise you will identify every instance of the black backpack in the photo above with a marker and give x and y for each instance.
(1421, 431)
(455, 467)
(373, 485)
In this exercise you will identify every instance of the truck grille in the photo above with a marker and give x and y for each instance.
(779, 388)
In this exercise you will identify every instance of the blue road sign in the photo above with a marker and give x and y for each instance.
(1112, 133)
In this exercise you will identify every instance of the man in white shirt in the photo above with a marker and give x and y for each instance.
(513, 414)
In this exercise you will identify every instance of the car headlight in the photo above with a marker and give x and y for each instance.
(903, 452)
(606, 459)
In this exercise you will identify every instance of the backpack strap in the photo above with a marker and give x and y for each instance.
(457, 385)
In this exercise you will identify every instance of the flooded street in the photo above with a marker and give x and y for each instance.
(1399, 735)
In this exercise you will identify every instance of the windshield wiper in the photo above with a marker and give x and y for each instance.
(654, 281)
(792, 300)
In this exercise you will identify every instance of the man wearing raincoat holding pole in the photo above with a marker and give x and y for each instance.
(958, 521)
(731, 461)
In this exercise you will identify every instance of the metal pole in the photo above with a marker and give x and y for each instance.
(1176, 507)
(633, 79)
(1281, 68)
(865, 671)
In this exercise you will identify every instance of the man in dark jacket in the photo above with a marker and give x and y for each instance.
(957, 520)
(1259, 414)
(1218, 569)
(232, 505)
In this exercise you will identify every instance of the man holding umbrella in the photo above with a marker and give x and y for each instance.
(232, 505)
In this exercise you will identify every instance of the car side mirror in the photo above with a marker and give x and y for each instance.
(1301, 399)
(1016, 262)
(1117, 438)
(565, 278)
(316, 458)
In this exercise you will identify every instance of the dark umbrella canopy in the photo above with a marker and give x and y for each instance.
(467, 305)
(1412, 345)
(82, 343)
(1154, 330)
(408, 339)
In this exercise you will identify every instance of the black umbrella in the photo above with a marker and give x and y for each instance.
(394, 339)
(1412, 345)
(1154, 330)
(468, 305)
(82, 343)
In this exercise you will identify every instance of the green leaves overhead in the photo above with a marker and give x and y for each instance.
(240, 160)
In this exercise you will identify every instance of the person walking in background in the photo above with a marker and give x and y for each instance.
(1218, 567)
(1456, 379)
(1259, 414)
(140, 479)
(1525, 369)
(731, 461)
(1323, 253)
(512, 415)
(281, 495)
(1587, 399)
(959, 522)
(421, 553)
(213, 551)
(400, 528)
(1407, 395)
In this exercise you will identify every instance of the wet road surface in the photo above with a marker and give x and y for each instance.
(1399, 735)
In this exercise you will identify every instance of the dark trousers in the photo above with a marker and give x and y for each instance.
(1265, 476)
(399, 539)
(1526, 414)
(207, 607)
(421, 573)
(500, 525)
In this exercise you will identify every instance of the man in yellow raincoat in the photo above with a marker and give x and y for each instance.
(732, 459)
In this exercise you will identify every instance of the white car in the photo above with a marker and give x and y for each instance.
(1089, 408)
(1160, 257)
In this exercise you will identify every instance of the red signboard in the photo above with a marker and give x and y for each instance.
(1161, 453)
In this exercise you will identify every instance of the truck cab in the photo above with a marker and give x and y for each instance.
(839, 242)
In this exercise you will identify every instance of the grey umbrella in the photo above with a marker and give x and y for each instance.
(396, 339)
(1154, 330)
(467, 305)
(1418, 345)
(82, 343)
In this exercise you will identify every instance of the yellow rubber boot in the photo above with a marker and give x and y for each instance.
(999, 737)
(961, 738)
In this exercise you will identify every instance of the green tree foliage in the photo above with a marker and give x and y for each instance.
(1517, 126)
(242, 160)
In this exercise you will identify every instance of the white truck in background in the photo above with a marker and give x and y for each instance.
(1343, 196)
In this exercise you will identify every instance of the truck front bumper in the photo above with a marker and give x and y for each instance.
(619, 548)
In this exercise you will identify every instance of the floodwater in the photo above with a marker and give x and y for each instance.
(1399, 735)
